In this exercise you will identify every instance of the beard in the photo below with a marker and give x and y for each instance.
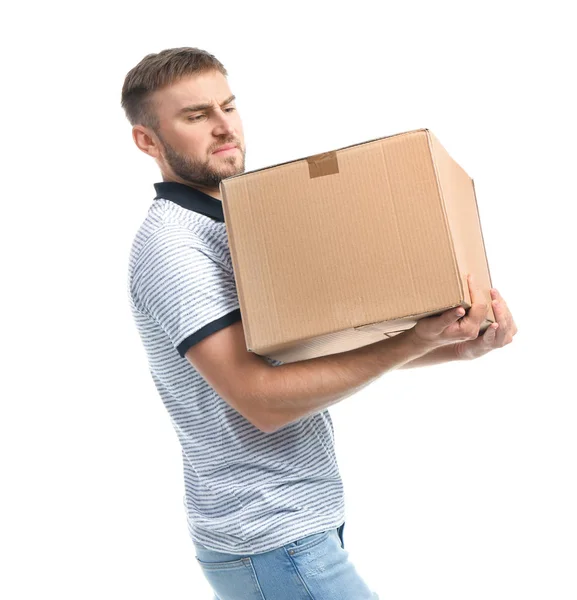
(201, 172)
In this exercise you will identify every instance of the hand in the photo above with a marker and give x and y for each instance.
(449, 327)
(498, 334)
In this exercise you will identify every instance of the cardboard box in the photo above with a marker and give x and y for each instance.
(339, 250)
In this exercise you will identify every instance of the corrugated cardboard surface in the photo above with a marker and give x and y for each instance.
(458, 193)
(333, 251)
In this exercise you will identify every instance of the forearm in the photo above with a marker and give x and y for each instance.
(294, 390)
(439, 355)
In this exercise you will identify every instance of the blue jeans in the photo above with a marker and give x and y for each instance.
(315, 567)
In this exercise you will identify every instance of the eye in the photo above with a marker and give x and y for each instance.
(196, 118)
(230, 108)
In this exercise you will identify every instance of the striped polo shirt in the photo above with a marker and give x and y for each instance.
(246, 491)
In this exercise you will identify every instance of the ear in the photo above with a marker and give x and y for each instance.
(146, 140)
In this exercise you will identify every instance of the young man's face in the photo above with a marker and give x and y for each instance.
(197, 116)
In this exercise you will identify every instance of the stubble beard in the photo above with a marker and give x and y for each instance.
(200, 172)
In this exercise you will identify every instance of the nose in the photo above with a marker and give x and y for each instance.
(223, 124)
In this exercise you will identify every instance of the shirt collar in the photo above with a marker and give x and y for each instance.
(190, 198)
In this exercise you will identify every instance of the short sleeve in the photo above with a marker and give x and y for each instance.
(188, 292)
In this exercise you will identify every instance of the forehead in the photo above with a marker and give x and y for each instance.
(210, 87)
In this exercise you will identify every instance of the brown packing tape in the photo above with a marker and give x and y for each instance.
(323, 164)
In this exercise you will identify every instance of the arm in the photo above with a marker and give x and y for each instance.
(295, 390)
(301, 388)
(199, 322)
(272, 397)
(434, 357)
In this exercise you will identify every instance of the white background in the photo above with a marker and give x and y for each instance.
(459, 479)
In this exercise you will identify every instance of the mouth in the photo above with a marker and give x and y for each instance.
(226, 149)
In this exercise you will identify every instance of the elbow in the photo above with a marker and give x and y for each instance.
(254, 406)
(264, 420)
(271, 427)
(263, 424)
(267, 428)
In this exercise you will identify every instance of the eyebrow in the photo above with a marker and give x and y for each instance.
(205, 106)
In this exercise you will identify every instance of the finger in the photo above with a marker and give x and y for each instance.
(501, 318)
(475, 317)
(474, 291)
(490, 335)
(501, 313)
(496, 295)
(451, 316)
(507, 327)
(479, 346)
(479, 308)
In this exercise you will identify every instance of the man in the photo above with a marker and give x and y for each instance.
(263, 494)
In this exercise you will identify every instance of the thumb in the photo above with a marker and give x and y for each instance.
(451, 316)
(436, 325)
